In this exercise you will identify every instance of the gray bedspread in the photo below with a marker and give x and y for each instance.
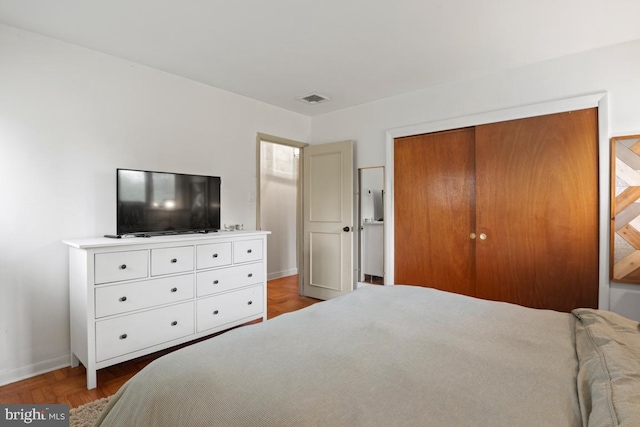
(380, 356)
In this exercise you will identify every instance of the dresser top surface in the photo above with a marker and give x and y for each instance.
(100, 242)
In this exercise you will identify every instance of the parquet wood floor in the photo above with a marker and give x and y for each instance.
(68, 385)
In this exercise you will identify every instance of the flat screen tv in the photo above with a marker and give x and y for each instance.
(151, 203)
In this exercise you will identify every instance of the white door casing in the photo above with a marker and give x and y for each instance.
(328, 212)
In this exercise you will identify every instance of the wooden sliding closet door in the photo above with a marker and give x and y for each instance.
(434, 210)
(537, 204)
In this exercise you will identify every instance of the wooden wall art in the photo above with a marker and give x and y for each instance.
(625, 209)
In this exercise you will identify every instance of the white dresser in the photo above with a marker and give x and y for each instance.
(134, 296)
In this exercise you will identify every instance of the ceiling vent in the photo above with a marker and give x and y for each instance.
(313, 98)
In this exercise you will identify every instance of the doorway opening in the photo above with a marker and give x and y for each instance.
(278, 203)
(371, 225)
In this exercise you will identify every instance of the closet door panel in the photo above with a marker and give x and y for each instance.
(537, 205)
(434, 210)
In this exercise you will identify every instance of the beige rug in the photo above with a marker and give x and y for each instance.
(85, 415)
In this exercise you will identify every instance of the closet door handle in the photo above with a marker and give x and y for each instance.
(472, 236)
(483, 236)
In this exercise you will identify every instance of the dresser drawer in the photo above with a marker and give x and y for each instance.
(247, 251)
(213, 255)
(226, 308)
(119, 299)
(119, 266)
(226, 279)
(133, 332)
(171, 260)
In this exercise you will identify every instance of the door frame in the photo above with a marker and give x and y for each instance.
(290, 143)
(599, 100)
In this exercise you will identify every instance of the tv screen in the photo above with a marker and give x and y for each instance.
(166, 203)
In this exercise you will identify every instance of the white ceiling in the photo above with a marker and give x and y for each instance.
(353, 51)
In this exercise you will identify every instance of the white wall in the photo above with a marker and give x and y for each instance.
(278, 198)
(614, 69)
(68, 118)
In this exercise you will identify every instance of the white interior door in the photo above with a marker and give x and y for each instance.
(328, 219)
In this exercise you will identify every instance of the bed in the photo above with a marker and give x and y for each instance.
(397, 356)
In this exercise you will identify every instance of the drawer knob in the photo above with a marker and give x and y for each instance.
(123, 266)
(123, 299)
(174, 323)
(215, 282)
(250, 275)
(123, 336)
(174, 260)
(250, 302)
(174, 289)
(215, 312)
(248, 251)
(215, 255)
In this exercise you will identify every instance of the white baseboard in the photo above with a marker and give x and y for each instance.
(24, 372)
(279, 274)
(362, 285)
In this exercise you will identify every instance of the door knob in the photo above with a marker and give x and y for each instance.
(483, 236)
(472, 236)
(346, 229)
